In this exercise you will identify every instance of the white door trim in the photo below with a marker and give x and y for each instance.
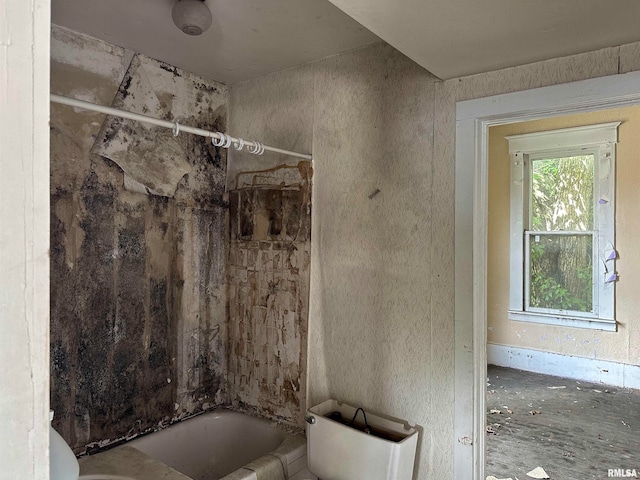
(473, 119)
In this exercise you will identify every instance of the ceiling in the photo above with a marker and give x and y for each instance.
(247, 39)
(450, 38)
(453, 38)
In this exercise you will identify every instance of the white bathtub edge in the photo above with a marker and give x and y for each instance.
(292, 453)
(241, 474)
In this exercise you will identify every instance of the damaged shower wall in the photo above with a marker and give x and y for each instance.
(269, 256)
(138, 230)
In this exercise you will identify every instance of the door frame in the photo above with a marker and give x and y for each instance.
(473, 119)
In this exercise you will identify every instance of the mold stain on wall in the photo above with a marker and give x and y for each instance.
(138, 296)
(269, 256)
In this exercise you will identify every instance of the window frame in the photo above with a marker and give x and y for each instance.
(599, 140)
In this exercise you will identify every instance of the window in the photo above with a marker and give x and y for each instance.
(562, 250)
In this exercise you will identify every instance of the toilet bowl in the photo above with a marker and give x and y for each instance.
(63, 464)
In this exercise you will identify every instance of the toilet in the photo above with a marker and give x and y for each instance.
(63, 464)
(347, 443)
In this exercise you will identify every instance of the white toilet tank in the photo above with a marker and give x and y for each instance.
(338, 451)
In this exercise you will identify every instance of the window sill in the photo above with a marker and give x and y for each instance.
(593, 323)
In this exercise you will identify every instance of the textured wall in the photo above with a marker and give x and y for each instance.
(276, 110)
(381, 323)
(368, 115)
(269, 257)
(138, 331)
(621, 346)
(370, 344)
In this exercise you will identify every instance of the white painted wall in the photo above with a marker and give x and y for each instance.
(24, 239)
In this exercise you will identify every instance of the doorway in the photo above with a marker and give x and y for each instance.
(473, 120)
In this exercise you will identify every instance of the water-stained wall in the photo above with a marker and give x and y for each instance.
(269, 256)
(138, 296)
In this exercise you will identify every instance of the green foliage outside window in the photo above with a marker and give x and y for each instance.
(561, 265)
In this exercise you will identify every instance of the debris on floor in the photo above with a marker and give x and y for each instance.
(495, 410)
(556, 388)
(538, 472)
(491, 477)
(492, 429)
(575, 432)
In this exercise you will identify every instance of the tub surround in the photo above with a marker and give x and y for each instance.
(138, 306)
(269, 255)
(163, 306)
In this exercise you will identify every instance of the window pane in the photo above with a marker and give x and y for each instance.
(562, 194)
(561, 273)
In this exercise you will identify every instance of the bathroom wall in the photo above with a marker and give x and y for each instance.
(269, 260)
(271, 190)
(138, 291)
(24, 240)
(622, 346)
(381, 321)
(368, 116)
(381, 328)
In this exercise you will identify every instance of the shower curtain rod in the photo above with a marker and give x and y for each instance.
(218, 138)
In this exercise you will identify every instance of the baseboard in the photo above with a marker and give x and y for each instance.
(577, 368)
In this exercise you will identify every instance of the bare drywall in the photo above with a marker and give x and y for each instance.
(269, 266)
(138, 300)
(622, 346)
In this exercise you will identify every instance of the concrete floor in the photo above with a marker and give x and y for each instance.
(575, 432)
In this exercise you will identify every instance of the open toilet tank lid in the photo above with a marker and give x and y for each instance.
(386, 423)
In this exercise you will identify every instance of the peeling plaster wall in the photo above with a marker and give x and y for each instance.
(622, 346)
(269, 260)
(381, 321)
(138, 292)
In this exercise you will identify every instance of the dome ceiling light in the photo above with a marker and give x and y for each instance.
(193, 17)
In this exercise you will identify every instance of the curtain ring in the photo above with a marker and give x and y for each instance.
(261, 148)
(255, 148)
(218, 142)
(239, 145)
(176, 129)
(227, 141)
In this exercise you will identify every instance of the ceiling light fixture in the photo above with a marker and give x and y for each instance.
(191, 16)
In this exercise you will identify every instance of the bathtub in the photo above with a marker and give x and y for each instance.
(218, 445)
